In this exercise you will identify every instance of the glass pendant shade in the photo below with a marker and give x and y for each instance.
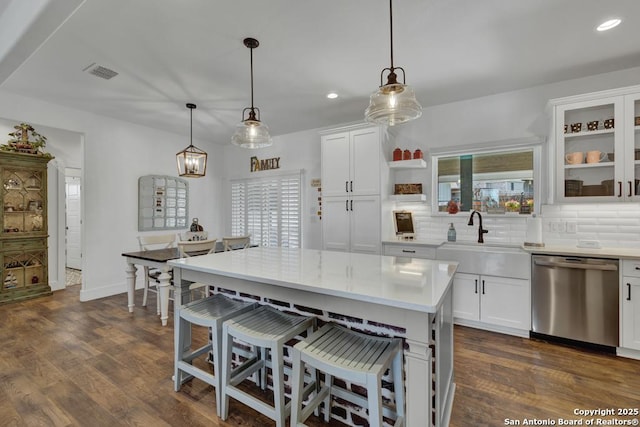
(192, 161)
(251, 134)
(393, 104)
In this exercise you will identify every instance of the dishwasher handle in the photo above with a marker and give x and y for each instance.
(577, 265)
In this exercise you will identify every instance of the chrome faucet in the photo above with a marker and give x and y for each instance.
(481, 230)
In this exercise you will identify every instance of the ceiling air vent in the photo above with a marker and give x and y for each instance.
(100, 71)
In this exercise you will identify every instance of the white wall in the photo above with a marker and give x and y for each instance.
(297, 151)
(502, 117)
(116, 153)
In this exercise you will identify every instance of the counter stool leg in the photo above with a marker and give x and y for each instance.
(374, 399)
(297, 386)
(216, 338)
(328, 382)
(227, 350)
(278, 385)
(398, 388)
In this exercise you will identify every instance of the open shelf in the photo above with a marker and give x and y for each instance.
(408, 164)
(409, 197)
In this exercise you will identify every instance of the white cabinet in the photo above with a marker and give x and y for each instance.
(351, 224)
(352, 170)
(597, 146)
(630, 305)
(492, 300)
(350, 162)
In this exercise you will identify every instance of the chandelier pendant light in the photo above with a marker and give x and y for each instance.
(192, 161)
(394, 102)
(251, 132)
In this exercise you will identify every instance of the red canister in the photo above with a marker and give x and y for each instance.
(417, 154)
(406, 155)
(397, 154)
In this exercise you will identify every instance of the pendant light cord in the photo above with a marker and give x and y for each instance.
(251, 60)
(191, 129)
(391, 32)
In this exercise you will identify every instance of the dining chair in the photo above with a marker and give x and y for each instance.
(161, 241)
(194, 248)
(236, 242)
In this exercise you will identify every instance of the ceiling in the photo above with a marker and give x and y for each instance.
(169, 52)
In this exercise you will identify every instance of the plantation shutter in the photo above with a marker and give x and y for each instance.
(268, 209)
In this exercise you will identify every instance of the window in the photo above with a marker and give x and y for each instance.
(495, 182)
(268, 209)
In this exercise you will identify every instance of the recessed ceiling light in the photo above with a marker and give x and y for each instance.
(332, 95)
(607, 25)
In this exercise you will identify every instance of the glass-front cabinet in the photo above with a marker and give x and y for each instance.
(23, 241)
(597, 147)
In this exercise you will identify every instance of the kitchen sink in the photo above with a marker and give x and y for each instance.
(505, 260)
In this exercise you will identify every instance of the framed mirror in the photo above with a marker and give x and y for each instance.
(163, 203)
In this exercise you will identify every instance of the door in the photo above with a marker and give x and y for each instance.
(335, 223)
(365, 224)
(631, 313)
(365, 161)
(466, 304)
(505, 302)
(73, 223)
(335, 164)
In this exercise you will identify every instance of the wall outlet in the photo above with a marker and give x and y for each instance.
(572, 227)
(557, 226)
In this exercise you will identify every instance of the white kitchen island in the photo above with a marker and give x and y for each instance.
(408, 298)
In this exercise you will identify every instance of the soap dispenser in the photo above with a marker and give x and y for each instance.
(451, 234)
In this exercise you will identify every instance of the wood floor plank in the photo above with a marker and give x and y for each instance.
(70, 363)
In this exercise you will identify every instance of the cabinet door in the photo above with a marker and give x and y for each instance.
(630, 328)
(365, 161)
(335, 223)
(631, 183)
(335, 164)
(466, 302)
(365, 224)
(505, 302)
(590, 150)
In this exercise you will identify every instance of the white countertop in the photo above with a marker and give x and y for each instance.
(408, 283)
(573, 250)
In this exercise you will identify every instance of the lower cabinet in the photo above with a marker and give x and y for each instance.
(492, 300)
(351, 224)
(630, 305)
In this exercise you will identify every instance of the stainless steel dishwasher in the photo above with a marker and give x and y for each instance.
(575, 298)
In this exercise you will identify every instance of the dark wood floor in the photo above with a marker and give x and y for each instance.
(66, 363)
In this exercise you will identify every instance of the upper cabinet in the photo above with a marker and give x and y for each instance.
(350, 162)
(597, 143)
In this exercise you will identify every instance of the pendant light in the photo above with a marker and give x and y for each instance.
(251, 132)
(393, 103)
(192, 162)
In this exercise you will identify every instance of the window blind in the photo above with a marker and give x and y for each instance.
(269, 209)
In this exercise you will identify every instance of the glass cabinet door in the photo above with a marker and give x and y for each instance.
(631, 184)
(23, 195)
(590, 150)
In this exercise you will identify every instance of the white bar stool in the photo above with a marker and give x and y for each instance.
(210, 312)
(353, 356)
(266, 329)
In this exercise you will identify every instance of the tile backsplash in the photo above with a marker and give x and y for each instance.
(613, 224)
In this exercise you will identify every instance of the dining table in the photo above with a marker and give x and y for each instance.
(156, 258)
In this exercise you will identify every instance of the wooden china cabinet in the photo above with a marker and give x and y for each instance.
(23, 241)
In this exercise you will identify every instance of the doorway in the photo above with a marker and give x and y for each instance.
(73, 226)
